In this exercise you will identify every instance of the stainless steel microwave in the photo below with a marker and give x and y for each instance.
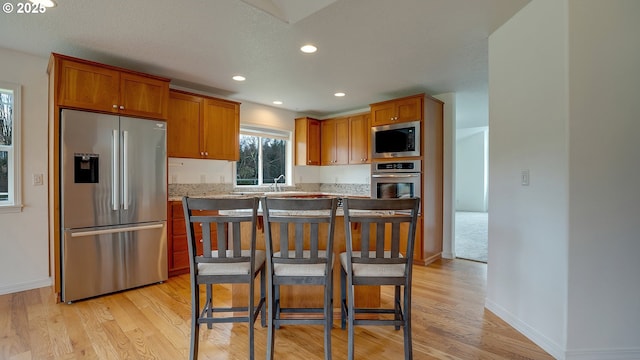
(396, 140)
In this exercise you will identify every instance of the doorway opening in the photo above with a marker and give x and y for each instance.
(471, 203)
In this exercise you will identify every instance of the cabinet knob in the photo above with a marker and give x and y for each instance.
(121, 107)
(115, 106)
(206, 153)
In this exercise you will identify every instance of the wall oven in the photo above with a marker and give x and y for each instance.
(396, 179)
(396, 140)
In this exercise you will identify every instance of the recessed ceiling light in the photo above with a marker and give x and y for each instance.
(277, 102)
(239, 78)
(45, 3)
(309, 49)
(339, 94)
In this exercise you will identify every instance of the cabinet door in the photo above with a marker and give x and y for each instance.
(328, 136)
(341, 141)
(313, 141)
(404, 109)
(307, 141)
(221, 130)
(382, 114)
(183, 125)
(335, 141)
(88, 87)
(409, 109)
(359, 139)
(143, 96)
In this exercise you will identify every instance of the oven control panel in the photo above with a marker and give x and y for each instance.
(396, 166)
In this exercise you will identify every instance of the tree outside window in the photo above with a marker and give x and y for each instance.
(10, 189)
(262, 159)
(6, 137)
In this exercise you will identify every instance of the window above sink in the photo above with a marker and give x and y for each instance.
(265, 155)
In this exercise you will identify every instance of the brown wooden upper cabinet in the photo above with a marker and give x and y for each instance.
(397, 110)
(202, 127)
(359, 139)
(83, 84)
(335, 141)
(307, 141)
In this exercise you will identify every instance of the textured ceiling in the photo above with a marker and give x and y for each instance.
(372, 50)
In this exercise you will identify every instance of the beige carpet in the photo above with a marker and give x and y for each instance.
(471, 235)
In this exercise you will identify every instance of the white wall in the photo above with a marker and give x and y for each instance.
(528, 225)
(471, 156)
(24, 243)
(604, 189)
(563, 252)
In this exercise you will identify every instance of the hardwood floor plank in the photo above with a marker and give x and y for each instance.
(81, 344)
(449, 322)
(39, 338)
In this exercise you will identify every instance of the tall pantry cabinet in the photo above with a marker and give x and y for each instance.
(87, 85)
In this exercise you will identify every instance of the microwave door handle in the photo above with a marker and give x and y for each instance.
(394, 175)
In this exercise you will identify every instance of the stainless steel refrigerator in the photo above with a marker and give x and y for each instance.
(114, 203)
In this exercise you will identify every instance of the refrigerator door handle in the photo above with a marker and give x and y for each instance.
(116, 230)
(125, 169)
(115, 193)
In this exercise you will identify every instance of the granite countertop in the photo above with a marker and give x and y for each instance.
(246, 194)
(177, 191)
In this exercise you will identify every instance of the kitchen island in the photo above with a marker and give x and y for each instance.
(291, 296)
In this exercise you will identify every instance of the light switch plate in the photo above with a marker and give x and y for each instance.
(38, 179)
(524, 178)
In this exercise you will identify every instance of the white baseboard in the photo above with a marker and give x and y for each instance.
(532, 334)
(14, 288)
(448, 255)
(604, 354)
(556, 350)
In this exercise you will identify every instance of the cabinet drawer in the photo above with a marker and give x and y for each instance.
(180, 260)
(178, 227)
(177, 211)
(180, 243)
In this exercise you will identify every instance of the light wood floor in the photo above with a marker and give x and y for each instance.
(449, 322)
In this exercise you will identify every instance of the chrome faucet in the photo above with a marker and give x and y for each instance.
(275, 182)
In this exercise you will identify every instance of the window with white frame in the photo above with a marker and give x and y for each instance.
(10, 195)
(265, 155)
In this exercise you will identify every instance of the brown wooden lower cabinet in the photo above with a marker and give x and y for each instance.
(177, 247)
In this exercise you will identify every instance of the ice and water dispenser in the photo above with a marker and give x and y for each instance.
(86, 168)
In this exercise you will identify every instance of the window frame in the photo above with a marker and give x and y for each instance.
(14, 203)
(271, 134)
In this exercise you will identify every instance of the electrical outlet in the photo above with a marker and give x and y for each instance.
(38, 179)
(221, 179)
(174, 179)
(203, 179)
